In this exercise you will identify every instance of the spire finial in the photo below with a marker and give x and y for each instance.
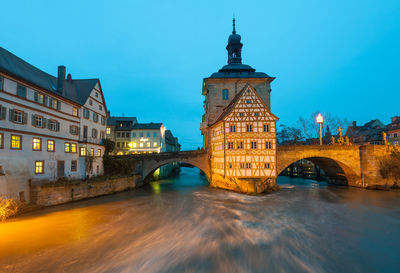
(234, 30)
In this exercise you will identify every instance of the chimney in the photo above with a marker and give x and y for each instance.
(394, 119)
(60, 80)
(69, 77)
(354, 123)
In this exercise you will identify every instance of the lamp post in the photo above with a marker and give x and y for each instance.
(320, 120)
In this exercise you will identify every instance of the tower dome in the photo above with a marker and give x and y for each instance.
(234, 47)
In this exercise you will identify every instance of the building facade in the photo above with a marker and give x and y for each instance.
(369, 133)
(48, 126)
(238, 128)
(393, 132)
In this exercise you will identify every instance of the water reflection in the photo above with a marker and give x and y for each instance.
(180, 225)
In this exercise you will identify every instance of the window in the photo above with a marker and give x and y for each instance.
(241, 114)
(53, 125)
(1, 141)
(75, 111)
(100, 108)
(50, 145)
(248, 101)
(148, 135)
(225, 94)
(103, 120)
(38, 97)
(240, 145)
(108, 130)
(82, 151)
(242, 165)
(253, 145)
(233, 128)
(96, 95)
(1, 83)
(154, 144)
(141, 144)
(267, 166)
(248, 165)
(21, 91)
(74, 130)
(37, 121)
(56, 104)
(395, 135)
(3, 112)
(91, 152)
(256, 114)
(17, 116)
(90, 102)
(268, 145)
(85, 131)
(230, 165)
(101, 134)
(266, 128)
(118, 134)
(155, 134)
(99, 152)
(67, 147)
(16, 142)
(85, 113)
(249, 128)
(94, 133)
(73, 147)
(133, 134)
(230, 145)
(95, 117)
(74, 165)
(39, 167)
(141, 135)
(36, 144)
(148, 144)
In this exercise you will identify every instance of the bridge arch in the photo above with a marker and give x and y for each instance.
(340, 164)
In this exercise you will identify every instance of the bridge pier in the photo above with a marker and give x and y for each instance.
(244, 185)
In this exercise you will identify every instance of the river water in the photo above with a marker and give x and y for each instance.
(181, 225)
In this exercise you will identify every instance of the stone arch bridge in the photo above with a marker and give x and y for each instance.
(354, 165)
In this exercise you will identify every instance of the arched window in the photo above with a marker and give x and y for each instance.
(225, 94)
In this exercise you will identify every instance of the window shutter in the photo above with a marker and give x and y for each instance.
(48, 125)
(58, 126)
(3, 112)
(44, 123)
(46, 99)
(79, 131)
(33, 120)
(58, 105)
(11, 114)
(70, 129)
(35, 96)
(24, 118)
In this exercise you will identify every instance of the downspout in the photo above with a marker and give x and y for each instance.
(223, 128)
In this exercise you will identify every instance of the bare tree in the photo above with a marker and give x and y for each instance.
(310, 128)
(289, 135)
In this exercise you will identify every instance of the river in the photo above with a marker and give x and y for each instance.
(181, 225)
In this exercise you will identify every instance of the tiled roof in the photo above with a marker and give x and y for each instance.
(114, 120)
(75, 90)
(150, 125)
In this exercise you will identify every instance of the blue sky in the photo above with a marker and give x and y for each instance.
(338, 56)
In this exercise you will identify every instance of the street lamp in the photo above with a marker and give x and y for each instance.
(320, 120)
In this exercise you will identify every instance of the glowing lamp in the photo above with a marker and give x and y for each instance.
(320, 119)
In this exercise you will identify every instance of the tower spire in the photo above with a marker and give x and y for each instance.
(234, 30)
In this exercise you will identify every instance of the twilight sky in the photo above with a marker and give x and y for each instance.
(337, 56)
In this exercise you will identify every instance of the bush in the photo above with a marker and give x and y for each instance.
(119, 165)
(8, 208)
(389, 167)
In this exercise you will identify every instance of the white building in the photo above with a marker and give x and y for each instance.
(48, 126)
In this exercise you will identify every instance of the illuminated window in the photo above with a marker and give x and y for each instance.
(148, 144)
(74, 165)
(16, 142)
(50, 145)
(39, 167)
(99, 152)
(82, 151)
(73, 147)
(134, 144)
(249, 128)
(91, 152)
(266, 128)
(40, 98)
(36, 144)
(155, 144)
(75, 111)
(67, 147)
(141, 144)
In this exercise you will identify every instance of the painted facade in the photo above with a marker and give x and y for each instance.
(48, 125)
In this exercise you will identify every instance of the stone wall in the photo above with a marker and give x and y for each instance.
(51, 195)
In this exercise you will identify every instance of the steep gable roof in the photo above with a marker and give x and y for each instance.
(228, 109)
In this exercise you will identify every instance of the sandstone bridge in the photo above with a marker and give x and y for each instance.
(353, 165)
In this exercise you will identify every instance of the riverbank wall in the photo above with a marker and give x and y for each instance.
(61, 193)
